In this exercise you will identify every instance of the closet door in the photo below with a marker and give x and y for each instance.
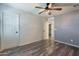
(10, 30)
(0, 27)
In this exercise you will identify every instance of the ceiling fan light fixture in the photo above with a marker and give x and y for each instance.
(49, 7)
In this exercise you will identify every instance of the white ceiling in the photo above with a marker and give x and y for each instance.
(30, 7)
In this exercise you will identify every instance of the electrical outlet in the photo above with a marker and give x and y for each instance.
(71, 40)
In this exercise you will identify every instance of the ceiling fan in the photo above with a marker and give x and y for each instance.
(49, 7)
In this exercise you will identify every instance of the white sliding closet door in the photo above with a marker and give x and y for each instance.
(10, 30)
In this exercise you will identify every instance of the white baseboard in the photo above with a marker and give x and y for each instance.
(66, 43)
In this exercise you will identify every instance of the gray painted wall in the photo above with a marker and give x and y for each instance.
(67, 28)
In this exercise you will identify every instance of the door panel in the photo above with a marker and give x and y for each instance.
(10, 30)
(46, 30)
(0, 27)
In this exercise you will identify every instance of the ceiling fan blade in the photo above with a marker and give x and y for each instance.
(39, 7)
(42, 11)
(57, 9)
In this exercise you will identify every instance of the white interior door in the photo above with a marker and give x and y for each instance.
(46, 30)
(0, 27)
(51, 21)
(10, 30)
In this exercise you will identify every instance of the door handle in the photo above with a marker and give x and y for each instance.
(16, 31)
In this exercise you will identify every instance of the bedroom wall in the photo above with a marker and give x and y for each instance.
(31, 28)
(67, 28)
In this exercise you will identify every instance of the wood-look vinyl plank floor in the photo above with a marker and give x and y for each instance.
(64, 50)
(39, 49)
